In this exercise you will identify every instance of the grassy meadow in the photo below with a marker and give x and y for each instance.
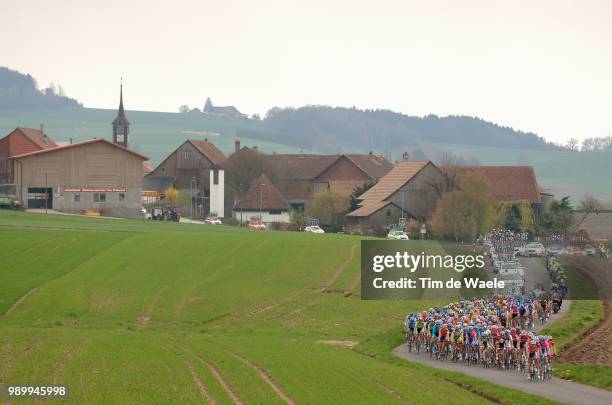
(145, 312)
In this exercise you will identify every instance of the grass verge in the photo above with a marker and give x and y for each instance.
(583, 315)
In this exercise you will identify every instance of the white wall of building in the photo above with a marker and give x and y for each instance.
(266, 217)
(217, 193)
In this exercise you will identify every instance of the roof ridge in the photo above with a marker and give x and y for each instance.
(86, 142)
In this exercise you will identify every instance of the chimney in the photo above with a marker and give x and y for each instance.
(205, 139)
(236, 145)
(370, 153)
(406, 156)
(255, 148)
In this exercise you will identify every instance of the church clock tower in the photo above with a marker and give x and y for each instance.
(121, 126)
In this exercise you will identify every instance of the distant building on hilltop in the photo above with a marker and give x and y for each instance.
(227, 111)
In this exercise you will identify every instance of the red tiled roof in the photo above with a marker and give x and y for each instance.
(26, 140)
(301, 166)
(267, 197)
(401, 174)
(508, 183)
(210, 151)
(375, 166)
(74, 145)
(37, 136)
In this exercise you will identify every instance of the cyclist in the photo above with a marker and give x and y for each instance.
(410, 323)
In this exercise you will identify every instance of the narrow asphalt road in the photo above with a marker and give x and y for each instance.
(556, 389)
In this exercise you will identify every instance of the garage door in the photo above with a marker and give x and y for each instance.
(40, 197)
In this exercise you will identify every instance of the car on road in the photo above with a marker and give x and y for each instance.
(535, 249)
(576, 251)
(314, 229)
(213, 221)
(590, 250)
(556, 250)
(520, 251)
(397, 235)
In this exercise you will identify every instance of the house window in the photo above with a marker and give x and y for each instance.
(275, 212)
(121, 197)
(99, 197)
(215, 176)
(76, 197)
(187, 154)
(388, 213)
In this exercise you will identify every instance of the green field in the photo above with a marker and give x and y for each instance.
(146, 312)
(156, 134)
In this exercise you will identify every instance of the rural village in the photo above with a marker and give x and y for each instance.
(353, 193)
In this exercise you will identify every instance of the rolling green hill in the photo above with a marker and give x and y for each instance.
(145, 312)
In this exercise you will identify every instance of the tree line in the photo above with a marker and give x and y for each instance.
(18, 90)
(331, 129)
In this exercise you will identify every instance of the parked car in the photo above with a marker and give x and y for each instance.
(314, 229)
(165, 214)
(397, 235)
(556, 251)
(576, 251)
(590, 250)
(520, 251)
(258, 226)
(535, 249)
(213, 221)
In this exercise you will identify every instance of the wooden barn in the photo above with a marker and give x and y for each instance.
(96, 175)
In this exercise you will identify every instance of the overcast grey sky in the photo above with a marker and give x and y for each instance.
(541, 66)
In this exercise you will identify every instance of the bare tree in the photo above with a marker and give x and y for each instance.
(243, 167)
(450, 173)
(572, 144)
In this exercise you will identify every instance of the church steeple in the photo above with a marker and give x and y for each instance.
(121, 126)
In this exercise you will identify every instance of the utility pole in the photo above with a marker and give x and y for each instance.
(46, 193)
(261, 186)
(191, 187)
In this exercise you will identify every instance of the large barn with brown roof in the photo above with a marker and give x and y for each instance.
(407, 190)
(510, 183)
(95, 175)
